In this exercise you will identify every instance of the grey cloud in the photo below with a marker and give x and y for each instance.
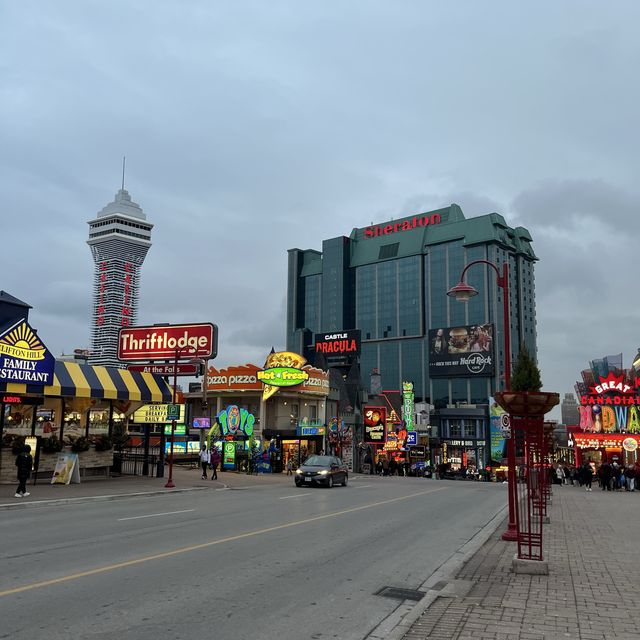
(251, 128)
(578, 204)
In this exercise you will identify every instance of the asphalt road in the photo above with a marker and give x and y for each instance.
(270, 562)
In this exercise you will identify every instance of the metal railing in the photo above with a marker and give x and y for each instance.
(130, 463)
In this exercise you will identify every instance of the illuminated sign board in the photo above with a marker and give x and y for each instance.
(229, 455)
(311, 431)
(604, 441)
(283, 376)
(465, 351)
(375, 425)
(406, 224)
(236, 423)
(408, 405)
(152, 413)
(201, 423)
(21, 400)
(238, 378)
(180, 430)
(613, 406)
(282, 369)
(343, 343)
(24, 359)
(162, 342)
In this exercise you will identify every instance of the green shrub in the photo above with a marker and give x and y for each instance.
(50, 445)
(103, 443)
(80, 444)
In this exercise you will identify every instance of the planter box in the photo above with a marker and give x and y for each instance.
(92, 463)
(527, 403)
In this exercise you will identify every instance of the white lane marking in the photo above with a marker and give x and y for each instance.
(298, 495)
(155, 515)
(362, 486)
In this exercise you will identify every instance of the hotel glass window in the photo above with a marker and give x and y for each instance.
(479, 392)
(412, 364)
(312, 303)
(476, 278)
(409, 310)
(366, 301)
(456, 259)
(368, 361)
(440, 393)
(459, 390)
(387, 300)
(390, 365)
(438, 285)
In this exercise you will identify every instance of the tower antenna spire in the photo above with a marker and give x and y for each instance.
(124, 161)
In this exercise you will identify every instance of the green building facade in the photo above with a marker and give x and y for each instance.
(390, 280)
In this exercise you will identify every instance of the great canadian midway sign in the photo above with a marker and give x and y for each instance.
(168, 342)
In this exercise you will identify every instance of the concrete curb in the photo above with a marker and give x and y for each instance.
(399, 622)
(80, 499)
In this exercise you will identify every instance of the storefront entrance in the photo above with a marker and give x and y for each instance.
(299, 450)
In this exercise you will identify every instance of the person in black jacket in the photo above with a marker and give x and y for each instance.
(586, 476)
(24, 462)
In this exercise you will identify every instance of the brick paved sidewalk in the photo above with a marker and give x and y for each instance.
(589, 594)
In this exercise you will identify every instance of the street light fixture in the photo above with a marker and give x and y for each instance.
(170, 484)
(463, 292)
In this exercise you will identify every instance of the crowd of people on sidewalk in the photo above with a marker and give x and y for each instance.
(610, 476)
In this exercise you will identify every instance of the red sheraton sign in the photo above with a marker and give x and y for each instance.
(402, 225)
(167, 342)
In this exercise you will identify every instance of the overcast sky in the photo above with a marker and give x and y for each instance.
(253, 127)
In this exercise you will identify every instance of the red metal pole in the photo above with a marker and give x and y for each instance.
(511, 532)
(170, 484)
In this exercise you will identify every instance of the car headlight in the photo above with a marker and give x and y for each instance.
(298, 471)
(323, 472)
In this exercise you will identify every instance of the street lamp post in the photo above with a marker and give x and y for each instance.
(170, 484)
(462, 292)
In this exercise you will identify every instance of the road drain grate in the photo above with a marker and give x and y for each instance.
(400, 594)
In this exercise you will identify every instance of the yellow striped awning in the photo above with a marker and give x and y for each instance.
(86, 381)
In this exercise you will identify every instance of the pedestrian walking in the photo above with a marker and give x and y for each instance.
(204, 461)
(214, 461)
(586, 476)
(289, 467)
(630, 477)
(559, 475)
(24, 462)
(605, 475)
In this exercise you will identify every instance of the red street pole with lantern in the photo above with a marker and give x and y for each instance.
(170, 484)
(462, 292)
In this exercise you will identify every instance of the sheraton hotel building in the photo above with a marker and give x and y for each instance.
(390, 280)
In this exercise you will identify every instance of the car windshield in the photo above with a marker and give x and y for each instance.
(318, 461)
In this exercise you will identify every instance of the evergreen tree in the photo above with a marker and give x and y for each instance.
(526, 375)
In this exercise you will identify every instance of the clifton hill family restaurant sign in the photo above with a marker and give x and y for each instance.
(23, 357)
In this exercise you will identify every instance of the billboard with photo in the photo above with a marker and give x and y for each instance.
(461, 351)
(375, 425)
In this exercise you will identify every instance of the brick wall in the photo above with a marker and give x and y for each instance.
(91, 460)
